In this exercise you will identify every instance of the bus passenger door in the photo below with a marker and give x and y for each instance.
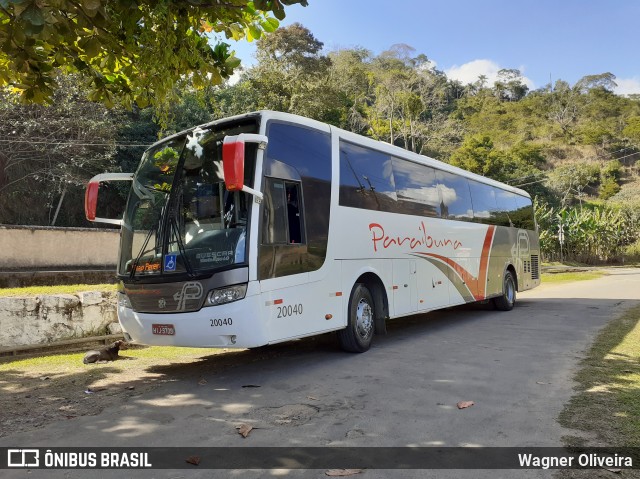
(404, 286)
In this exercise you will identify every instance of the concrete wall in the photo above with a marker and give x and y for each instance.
(36, 248)
(44, 319)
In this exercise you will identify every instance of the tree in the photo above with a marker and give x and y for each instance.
(509, 85)
(571, 179)
(564, 106)
(604, 81)
(478, 155)
(350, 76)
(632, 130)
(292, 74)
(49, 152)
(130, 51)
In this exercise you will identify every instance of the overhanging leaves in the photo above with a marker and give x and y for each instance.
(130, 51)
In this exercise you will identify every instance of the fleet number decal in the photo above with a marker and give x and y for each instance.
(221, 322)
(286, 311)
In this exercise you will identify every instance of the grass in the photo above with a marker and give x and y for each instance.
(555, 278)
(607, 400)
(71, 361)
(565, 263)
(61, 289)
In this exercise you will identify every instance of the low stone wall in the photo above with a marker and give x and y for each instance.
(32, 320)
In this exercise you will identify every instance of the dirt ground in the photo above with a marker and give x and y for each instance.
(37, 391)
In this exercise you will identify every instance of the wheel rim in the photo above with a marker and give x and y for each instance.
(510, 291)
(364, 319)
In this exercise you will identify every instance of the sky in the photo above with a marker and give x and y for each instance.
(546, 40)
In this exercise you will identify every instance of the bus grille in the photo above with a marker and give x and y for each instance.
(535, 267)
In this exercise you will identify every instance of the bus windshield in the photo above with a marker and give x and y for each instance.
(179, 218)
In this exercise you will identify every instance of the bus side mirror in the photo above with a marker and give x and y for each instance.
(91, 195)
(233, 161)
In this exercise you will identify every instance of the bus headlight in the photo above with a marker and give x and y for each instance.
(227, 295)
(123, 300)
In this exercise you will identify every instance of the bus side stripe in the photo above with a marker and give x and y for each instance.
(478, 290)
(484, 262)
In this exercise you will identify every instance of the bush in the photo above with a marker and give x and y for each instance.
(632, 253)
(608, 188)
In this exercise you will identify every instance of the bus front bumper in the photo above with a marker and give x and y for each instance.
(232, 325)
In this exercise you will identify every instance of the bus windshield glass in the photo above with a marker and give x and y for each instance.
(180, 219)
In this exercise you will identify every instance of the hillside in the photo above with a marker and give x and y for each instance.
(567, 145)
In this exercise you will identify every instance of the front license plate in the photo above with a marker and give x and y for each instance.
(163, 329)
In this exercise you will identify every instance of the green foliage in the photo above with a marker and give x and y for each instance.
(509, 85)
(608, 188)
(591, 235)
(556, 142)
(632, 130)
(478, 155)
(569, 180)
(129, 51)
(49, 152)
(632, 252)
(292, 74)
(610, 175)
(612, 169)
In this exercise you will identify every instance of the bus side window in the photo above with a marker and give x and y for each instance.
(282, 213)
(294, 212)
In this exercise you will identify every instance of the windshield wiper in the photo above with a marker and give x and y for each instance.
(176, 231)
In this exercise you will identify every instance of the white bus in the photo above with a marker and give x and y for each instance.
(268, 227)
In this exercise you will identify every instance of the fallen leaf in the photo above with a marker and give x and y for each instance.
(195, 460)
(244, 429)
(202, 382)
(250, 386)
(342, 472)
(465, 404)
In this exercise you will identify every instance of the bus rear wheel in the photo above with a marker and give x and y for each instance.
(357, 336)
(508, 298)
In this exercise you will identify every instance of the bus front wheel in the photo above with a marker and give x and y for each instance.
(508, 298)
(358, 334)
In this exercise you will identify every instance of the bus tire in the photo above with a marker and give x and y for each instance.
(508, 298)
(357, 336)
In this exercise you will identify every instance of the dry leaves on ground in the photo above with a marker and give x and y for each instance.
(244, 429)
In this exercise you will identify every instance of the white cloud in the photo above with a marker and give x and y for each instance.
(235, 77)
(470, 71)
(627, 86)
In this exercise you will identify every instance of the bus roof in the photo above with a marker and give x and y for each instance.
(359, 139)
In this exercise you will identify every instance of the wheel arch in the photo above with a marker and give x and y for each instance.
(381, 302)
(512, 270)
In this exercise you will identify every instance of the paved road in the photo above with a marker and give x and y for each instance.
(516, 367)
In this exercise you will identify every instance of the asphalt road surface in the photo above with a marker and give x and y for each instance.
(516, 367)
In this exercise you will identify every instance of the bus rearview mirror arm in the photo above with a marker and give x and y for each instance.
(91, 196)
(233, 161)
